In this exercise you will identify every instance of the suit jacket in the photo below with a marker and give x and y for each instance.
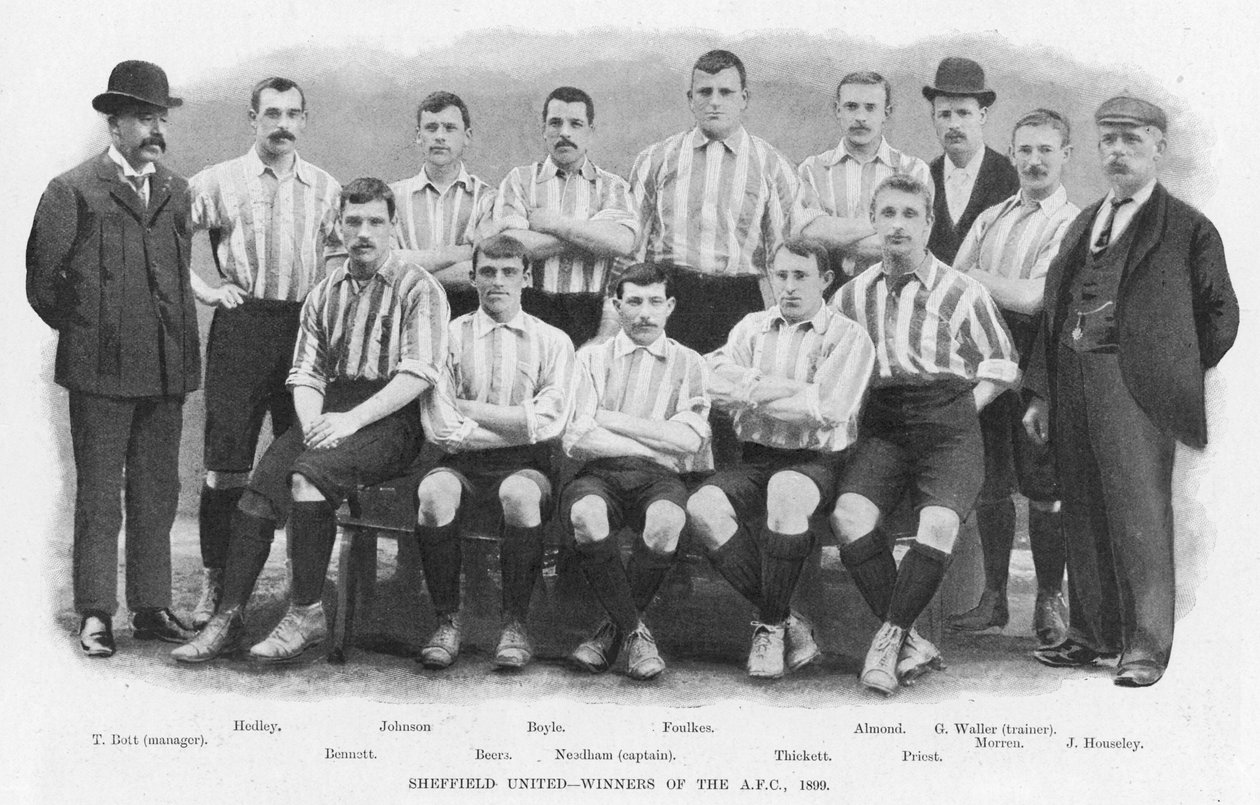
(996, 182)
(1176, 313)
(111, 276)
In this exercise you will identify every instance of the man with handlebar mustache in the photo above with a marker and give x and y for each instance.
(271, 218)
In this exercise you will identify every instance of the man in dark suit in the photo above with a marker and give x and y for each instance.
(107, 267)
(1138, 304)
(969, 177)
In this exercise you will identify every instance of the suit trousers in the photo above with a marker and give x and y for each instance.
(129, 447)
(1116, 479)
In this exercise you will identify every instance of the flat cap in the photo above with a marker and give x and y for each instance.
(1129, 111)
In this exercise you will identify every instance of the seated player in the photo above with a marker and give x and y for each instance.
(640, 420)
(371, 340)
(504, 394)
(943, 355)
(793, 378)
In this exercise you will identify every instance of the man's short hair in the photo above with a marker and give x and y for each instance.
(715, 61)
(570, 95)
(1045, 117)
(869, 78)
(498, 247)
(904, 183)
(806, 247)
(647, 274)
(279, 85)
(435, 102)
(365, 190)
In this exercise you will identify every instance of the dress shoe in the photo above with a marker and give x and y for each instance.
(514, 649)
(798, 638)
(442, 647)
(598, 652)
(765, 658)
(211, 595)
(96, 635)
(1050, 618)
(222, 635)
(159, 624)
(1069, 654)
(918, 656)
(301, 628)
(990, 613)
(1138, 673)
(879, 671)
(643, 661)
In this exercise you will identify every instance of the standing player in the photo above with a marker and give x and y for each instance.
(574, 218)
(443, 210)
(271, 220)
(943, 354)
(372, 338)
(836, 185)
(640, 420)
(793, 377)
(716, 202)
(1008, 251)
(503, 396)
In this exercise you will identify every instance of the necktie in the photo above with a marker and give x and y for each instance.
(1104, 237)
(141, 185)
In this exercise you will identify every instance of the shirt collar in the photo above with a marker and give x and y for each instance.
(483, 324)
(1139, 198)
(927, 272)
(128, 171)
(734, 143)
(622, 345)
(386, 273)
(550, 170)
(257, 167)
(972, 168)
(423, 180)
(842, 152)
(818, 321)
(1049, 205)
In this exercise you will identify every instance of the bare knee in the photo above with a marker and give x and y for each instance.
(589, 518)
(853, 517)
(711, 516)
(521, 500)
(938, 528)
(790, 499)
(662, 523)
(216, 479)
(438, 499)
(303, 490)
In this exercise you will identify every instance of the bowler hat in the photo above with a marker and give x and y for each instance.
(133, 81)
(960, 77)
(1129, 111)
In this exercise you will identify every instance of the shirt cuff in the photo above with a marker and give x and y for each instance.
(804, 217)
(420, 369)
(296, 379)
(694, 421)
(999, 370)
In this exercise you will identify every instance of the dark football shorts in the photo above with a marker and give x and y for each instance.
(482, 472)
(628, 486)
(925, 439)
(1013, 461)
(745, 485)
(248, 356)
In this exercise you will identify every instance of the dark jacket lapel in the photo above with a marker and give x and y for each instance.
(121, 190)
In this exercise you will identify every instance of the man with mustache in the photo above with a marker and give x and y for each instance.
(1138, 305)
(503, 397)
(640, 423)
(444, 210)
(715, 201)
(574, 218)
(270, 215)
(107, 267)
(969, 177)
(1008, 251)
(792, 378)
(944, 354)
(836, 185)
(372, 339)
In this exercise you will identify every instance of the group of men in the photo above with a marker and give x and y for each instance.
(836, 336)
